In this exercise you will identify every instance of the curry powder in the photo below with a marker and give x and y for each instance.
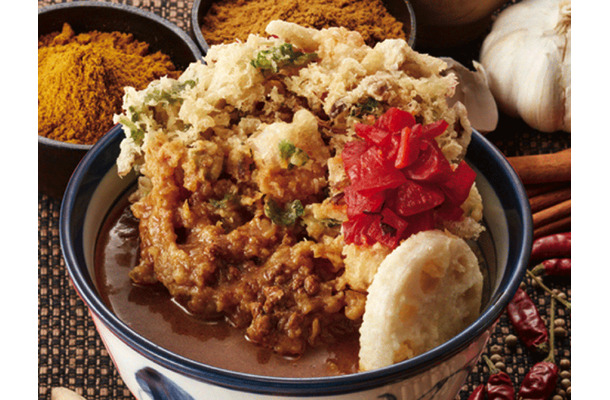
(81, 80)
(228, 20)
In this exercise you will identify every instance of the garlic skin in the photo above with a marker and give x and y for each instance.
(473, 92)
(527, 57)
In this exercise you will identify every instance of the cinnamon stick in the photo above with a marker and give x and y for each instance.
(548, 199)
(543, 168)
(561, 225)
(551, 214)
(540, 188)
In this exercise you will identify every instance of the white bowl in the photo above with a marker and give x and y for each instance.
(153, 372)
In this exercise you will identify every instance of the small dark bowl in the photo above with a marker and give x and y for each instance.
(56, 159)
(400, 9)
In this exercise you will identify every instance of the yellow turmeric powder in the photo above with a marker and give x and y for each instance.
(230, 19)
(81, 80)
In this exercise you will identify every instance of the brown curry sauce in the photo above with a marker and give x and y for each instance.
(151, 312)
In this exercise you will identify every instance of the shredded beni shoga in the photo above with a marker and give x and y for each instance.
(265, 134)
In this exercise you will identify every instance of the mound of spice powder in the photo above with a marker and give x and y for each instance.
(230, 19)
(81, 80)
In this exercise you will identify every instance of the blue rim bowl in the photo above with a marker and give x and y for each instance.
(511, 200)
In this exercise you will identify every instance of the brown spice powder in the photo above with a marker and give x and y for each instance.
(81, 80)
(228, 20)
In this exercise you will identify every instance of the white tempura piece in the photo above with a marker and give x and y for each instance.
(424, 293)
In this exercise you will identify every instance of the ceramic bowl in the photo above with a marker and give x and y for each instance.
(400, 9)
(152, 372)
(56, 159)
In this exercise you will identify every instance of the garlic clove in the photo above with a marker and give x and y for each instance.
(536, 110)
(473, 92)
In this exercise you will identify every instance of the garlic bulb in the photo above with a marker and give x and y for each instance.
(527, 56)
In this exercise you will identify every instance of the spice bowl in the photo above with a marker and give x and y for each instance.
(399, 9)
(448, 23)
(56, 159)
(152, 372)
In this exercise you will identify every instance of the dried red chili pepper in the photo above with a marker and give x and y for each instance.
(554, 267)
(540, 381)
(558, 245)
(528, 324)
(478, 393)
(499, 386)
